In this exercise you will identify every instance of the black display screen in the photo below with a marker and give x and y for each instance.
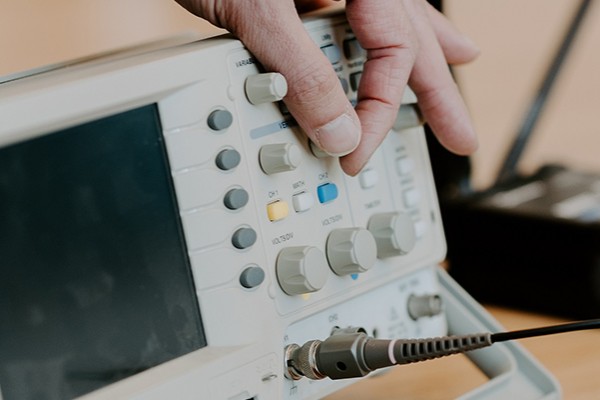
(95, 283)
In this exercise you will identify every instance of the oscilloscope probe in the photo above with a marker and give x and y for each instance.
(352, 353)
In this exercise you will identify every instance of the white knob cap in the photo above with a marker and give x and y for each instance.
(351, 250)
(394, 233)
(266, 88)
(279, 157)
(301, 269)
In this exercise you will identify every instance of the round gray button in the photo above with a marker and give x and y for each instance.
(235, 199)
(252, 277)
(228, 159)
(219, 120)
(243, 238)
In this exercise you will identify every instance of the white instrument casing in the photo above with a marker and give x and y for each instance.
(247, 326)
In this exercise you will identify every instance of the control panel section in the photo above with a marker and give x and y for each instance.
(272, 222)
(266, 210)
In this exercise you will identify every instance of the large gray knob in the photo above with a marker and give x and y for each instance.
(394, 233)
(266, 88)
(279, 157)
(301, 269)
(351, 250)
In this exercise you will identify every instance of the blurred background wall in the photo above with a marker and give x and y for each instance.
(516, 39)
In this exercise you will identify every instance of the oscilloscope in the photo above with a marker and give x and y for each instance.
(169, 232)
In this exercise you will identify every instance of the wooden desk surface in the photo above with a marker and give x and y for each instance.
(573, 358)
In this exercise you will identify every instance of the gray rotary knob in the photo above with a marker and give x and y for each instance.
(427, 305)
(301, 269)
(351, 250)
(279, 157)
(394, 233)
(266, 88)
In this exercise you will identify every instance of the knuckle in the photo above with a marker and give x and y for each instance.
(311, 84)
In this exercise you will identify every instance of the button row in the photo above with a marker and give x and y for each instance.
(352, 50)
(302, 201)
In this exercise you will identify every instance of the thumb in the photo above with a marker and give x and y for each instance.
(315, 97)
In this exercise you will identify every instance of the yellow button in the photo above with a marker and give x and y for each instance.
(277, 210)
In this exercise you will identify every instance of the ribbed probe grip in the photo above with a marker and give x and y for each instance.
(415, 350)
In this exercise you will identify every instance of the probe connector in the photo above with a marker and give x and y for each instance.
(351, 353)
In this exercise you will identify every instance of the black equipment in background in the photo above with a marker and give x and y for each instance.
(531, 242)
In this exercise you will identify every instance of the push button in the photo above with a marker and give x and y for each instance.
(353, 49)
(345, 85)
(252, 277)
(355, 80)
(332, 53)
(368, 178)
(228, 159)
(303, 201)
(219, 120)
(411, 197)
(277, 210)
(243, 238)
(404, 165)
(327, 192)
(235, 199)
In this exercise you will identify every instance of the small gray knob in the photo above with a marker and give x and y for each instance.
(394, 233)
(351, 250)
(427, 305)
(301, 269)
(235, 198)
(279, 157)
(243, 238)
(228, 159)
(266, 88)
(252, 277)
(219, 120)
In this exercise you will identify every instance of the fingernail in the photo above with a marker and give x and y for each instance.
(340, 136)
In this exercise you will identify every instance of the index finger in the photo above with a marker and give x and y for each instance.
(385, 32)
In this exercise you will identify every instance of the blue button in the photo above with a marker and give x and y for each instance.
(327, 192)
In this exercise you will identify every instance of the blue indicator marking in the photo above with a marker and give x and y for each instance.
(354, 276)
(327, 192)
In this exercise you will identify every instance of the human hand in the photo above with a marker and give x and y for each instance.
(407, 42)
